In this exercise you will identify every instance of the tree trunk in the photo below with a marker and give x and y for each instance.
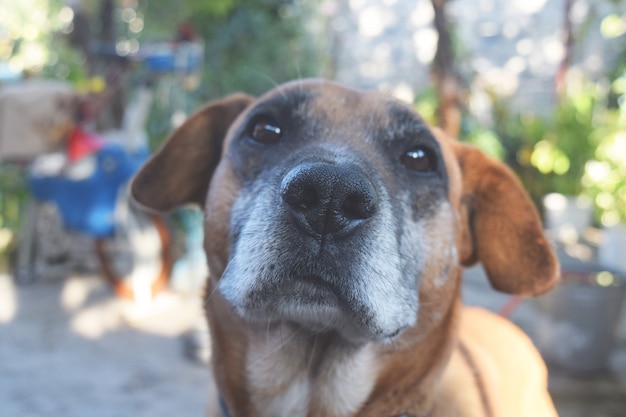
(560, 79)
(444, 75)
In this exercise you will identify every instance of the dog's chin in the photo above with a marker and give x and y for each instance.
(311, 323)
(313, 308)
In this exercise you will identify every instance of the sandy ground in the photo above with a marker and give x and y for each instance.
(67, 348)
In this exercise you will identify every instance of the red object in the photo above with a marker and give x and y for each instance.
(81, 144)
(185, 33)
(511, 306)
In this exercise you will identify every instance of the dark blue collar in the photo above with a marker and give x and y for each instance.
(223, 407)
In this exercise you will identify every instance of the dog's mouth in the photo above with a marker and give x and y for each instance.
(305, 297)
(318, 289)
(316, 303)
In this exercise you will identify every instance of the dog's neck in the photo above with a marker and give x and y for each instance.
(283, 371)
(292, 373)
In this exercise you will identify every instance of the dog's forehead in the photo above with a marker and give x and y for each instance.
(337, 105)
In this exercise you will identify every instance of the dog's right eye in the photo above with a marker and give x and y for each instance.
(266, 131)
(419, 160)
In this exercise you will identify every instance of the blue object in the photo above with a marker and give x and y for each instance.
(185, 57)
(190, 270)
(88, 205)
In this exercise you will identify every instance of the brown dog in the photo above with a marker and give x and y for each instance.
(337, 225)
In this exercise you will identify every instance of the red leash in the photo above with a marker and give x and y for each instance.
(511, 306)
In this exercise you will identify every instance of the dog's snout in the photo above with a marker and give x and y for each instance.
(328, 198)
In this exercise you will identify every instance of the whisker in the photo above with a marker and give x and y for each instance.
(312, 355)
(266, 77)
(273, 83)
(283, 343)
(208, 297)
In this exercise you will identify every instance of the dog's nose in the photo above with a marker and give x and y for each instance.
(328, 198)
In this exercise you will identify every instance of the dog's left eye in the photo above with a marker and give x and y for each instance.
(419, 160)
(265, 131)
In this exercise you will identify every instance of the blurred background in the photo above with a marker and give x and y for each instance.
(100, 303)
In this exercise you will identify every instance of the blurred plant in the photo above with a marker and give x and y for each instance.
(605, 173)
(579, 149)
(426, 104)
(548, 153)
(250, 45)
(69, 65)
(27, 30)
(26, 37)
(13, 194)
(259, 47)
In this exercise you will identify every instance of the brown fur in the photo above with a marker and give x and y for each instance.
(454, 361)
(499, 228)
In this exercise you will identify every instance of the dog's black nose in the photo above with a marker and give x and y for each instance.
(328, 198)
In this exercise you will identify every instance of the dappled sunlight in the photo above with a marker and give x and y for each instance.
(70, 348)
(76, 291)
(425, 43)
(8, 299)
(374, 20)
(86, 305)
(404, 92)
(94, 312)
(95, 321)
(552, 49)
(145, 244)
(168, 314)
(423, 14)
(529, 6)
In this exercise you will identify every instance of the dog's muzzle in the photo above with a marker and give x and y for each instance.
(317, 246)
(326, 198)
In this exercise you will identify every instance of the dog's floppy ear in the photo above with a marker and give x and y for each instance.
(504, 230)
(180, 172)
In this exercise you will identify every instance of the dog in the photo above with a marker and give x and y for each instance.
(337, 224)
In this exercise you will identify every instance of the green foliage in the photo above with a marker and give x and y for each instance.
(487, 141)
(13, 196)
(26, 33)
(258, 47)
(605, 172)
(69, 65)
(579, 149)
(250, 45)
(214, 8)
(426, 105)
(162, 17)
(548, 154)
(13, 193)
